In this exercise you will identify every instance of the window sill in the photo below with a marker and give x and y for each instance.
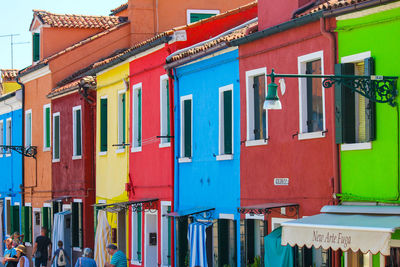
(164, 145)
(77, 249)
(55, 160)
(45, 149)
(259, 142)
(120, 151)
(356, 146)
(311, 135)
(225, 157)
(184, 160)
(8, 154)
(102, 153)
(76, 157)
(136, 149)
(133, 262)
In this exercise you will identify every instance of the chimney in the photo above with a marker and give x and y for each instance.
(141, 17)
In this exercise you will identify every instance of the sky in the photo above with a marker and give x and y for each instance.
(16, 17)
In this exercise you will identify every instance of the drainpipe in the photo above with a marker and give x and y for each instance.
(335, 147)
(22, 187)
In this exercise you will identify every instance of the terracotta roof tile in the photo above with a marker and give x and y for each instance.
(239, 33)
(69, 87)
(331, 5)
(9, 74)
(119, 9)
(78, 21)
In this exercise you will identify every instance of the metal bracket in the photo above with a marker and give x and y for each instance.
(29, 151)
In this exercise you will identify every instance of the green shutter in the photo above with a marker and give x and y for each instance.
(139, 235)
(123, 119)
(14, 214)
(182, 243)
(227, 122)
(78, 133)
(344, 107)
(47, 115)
(140, 117)
(168, 114)
(103, 124)
(199, 16)
(36, 46)
(370, 110)
(57, 137)
(75, 224)
(46, 220)
(24, 222)
(187, 109)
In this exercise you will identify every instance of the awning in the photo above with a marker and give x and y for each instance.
(137, 205)
(264, 208)
(188, 212)
(369, 231)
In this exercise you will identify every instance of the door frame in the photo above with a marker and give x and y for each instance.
(146, 213)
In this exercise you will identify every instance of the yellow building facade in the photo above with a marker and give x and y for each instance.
(8, 81)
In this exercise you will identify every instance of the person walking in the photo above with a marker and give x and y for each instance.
(86, 260)
(10, 254)
(42, 249)
(61, 255)
(118, 257)
(21, 254)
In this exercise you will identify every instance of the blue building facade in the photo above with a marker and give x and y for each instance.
(207, 176)
(10, 161)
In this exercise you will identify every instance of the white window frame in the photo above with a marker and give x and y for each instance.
(182, 141)
(8, 135)
(278, 221)
(164, 220)
(200, 11)
(301, 65)
(74, 155)
(1, 137)
(136, 148)
(56, 114)
(164, 142)
(134, 237)
(354, 59)
(221, 141)
(120, 121)
(26, 138)
(250, 74)
(44, 127)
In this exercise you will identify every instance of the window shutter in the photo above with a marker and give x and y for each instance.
(46, 220)
(75, 224)
(36, 46)
(103, 124)
(187, 109)
(57, 137)
(140, 117)
(139, 235)
(227, 122)
(14, 214)
(78, 133)
(370, 110)
(123, 119)
(47, 127)
(168, 114)
(24, 221)
(199, 16)
(344, 107)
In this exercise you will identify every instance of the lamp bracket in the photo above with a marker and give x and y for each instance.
(29, 151)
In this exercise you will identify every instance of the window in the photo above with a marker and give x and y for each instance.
(226, 120)
(165, 236)
(103, 124)
(56, 137)
(165, 120)
(137, 117)
(8, 135)
(46, 127)
(257, 117)
(1, 137)
(194, 15)
(77, 131)
(224, 242)
(28, 128)
(77, 224)
(358, 259)
(355, 114)
(136, 238)
(252, 232)
(186, 126)
(122, 117)
(36, 46)
(312, 96)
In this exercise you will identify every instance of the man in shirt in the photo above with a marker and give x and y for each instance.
(10, 254)
(118, 257)
(42, 249)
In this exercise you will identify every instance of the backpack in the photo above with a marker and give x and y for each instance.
(61, 258)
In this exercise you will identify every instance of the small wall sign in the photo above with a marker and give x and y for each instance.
(281, 181)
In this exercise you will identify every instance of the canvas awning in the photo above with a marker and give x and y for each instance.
(369, 230)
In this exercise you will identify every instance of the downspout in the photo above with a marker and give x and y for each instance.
(336, 255)
(23, 138)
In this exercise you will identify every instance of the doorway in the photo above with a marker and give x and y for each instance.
(37, 222)
(121, 232)
(151, 247)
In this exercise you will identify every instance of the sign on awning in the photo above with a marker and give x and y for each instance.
(368, 233)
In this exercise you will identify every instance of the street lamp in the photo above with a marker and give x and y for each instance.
(381, 89)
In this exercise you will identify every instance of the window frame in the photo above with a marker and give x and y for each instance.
(56, 114)
(183, 159)
(74, 133)
(354, 58)
(200, 11)
(45, 148)
(221, 127)
(250, 141)
(164, 142)
(135, 123)
(1, 137)
(135, 237)
(103, 152)
(121, 122)
(164, 220)
(8, 135)
(301, 65)
(29, 111)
